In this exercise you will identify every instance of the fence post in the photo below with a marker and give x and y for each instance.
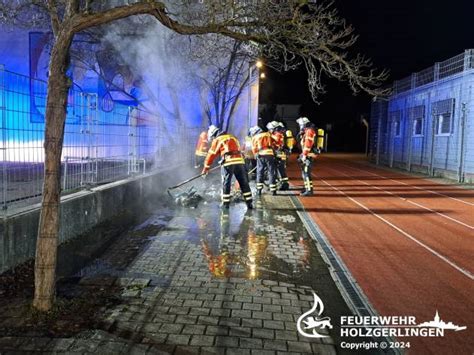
(433, 133)
(462, 144)
(4, 138)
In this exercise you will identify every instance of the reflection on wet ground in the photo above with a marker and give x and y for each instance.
(206, 280)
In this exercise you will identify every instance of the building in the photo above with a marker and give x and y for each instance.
(427, 124)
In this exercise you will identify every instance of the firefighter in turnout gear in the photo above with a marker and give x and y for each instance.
(250, 161)
(277, 131)
(309, 152)
(201, 150)
(263, 148)
(232, 162)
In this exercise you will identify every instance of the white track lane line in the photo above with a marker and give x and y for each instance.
(432, 251)
(415, 187)
(407, 200)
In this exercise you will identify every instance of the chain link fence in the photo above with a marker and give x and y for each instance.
(103, 141)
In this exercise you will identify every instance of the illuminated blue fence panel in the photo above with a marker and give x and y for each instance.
(427, 124)
(99, 146)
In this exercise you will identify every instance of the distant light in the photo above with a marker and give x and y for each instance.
(259, 63)
(262, 76)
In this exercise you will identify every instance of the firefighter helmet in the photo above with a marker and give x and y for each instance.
(213, 131)
(271, 126)
(302, 121)
(255, 130)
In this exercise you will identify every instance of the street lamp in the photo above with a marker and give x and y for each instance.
(258, 64)
(262, 76)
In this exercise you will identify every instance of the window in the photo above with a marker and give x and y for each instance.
(418, 126)
(444, 124)
(416, 115)
(443, 114)
(395, 123)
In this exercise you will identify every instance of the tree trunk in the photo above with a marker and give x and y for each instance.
(48, 230)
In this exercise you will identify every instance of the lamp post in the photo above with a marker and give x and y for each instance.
(258, 64)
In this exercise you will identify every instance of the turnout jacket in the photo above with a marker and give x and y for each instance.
(279, 142)
(263, 144)
(202, 145)
(228, 147)
(308, 147)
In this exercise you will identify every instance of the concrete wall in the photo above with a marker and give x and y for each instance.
(80, 213)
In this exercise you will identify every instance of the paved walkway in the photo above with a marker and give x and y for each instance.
(204, 282)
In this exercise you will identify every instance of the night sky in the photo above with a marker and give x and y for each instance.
(402, 36)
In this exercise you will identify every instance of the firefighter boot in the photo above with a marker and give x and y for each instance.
(225, 205)
(249, 205)
(307, 193)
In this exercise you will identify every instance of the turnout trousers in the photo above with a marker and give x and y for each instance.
(306, 169)
(240, 173)
(266, 163)
(283, 177)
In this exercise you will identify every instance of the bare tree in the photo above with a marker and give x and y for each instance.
(289, 33)
(224, 64)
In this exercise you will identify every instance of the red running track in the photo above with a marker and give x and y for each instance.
(408, 242)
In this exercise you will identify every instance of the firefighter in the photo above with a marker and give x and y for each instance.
(278, 135)
(201, 150)
(263, 148)
(308, 152)
(250, 161)
(232, 162)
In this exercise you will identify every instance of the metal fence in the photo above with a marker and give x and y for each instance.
(103, 141)
(428, 126)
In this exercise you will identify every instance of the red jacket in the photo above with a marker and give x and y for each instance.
(263, 144)
(202, 145)
(307, 142)
(228, 147)
(279, 141)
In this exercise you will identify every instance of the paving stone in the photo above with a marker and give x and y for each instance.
(240, 331)
(241, 313)
(232, 305)
(254, 323)
(187, 350)
(273, 324)
(217, 330)
(322, 349)
(227, 341)
(231, 322)
(208, 320)
(186, 319)
(58, 344)
(178, 339)
(202, 340)
(252, 306)
(199, 311)
(178, 310)
(171, 328)
(275, 345)
(272, 308)
(194, 329)
(263, 333)
(251, 343)
(261, 315)
(212, 351)
(233, 351)
(263, 352)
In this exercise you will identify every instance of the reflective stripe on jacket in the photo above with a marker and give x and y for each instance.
(263, 144)
(229, 149)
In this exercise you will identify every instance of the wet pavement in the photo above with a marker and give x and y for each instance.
(204, 281)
